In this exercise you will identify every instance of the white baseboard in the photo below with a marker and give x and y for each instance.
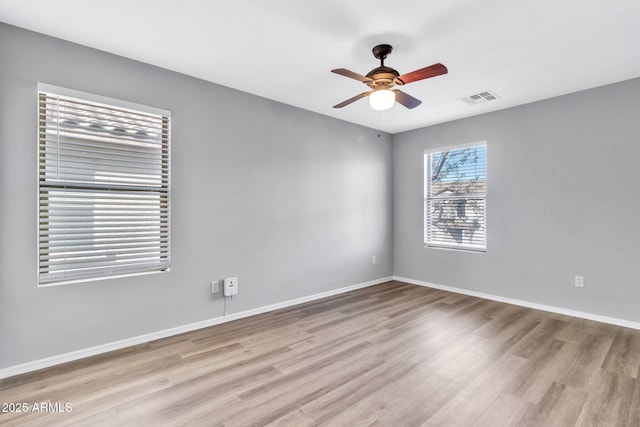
(536, 306)
(104, 348)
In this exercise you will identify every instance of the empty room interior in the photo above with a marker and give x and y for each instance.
(319, 213)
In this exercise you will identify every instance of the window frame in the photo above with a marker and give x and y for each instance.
(119, 104)
(426, 184)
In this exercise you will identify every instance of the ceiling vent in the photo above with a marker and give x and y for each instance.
(480, 97)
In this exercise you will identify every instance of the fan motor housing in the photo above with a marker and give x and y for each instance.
(382, 76)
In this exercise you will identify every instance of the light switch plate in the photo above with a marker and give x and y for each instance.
(215, 286)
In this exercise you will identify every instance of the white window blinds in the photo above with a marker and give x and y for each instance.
(456, 198)
(103, 189)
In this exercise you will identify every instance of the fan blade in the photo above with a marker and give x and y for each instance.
(422, 73)
(406, 99)
(350, 100)
(351, 74)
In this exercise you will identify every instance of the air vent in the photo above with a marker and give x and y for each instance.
(480, 97)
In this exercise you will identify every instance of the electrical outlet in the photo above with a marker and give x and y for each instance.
(579, 281)
(373, 259)
(215, 286)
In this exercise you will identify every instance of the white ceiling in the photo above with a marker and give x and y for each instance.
(284, 49)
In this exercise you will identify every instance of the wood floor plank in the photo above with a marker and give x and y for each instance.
(538, 344)
(506, 410)
(624, 354)
(388, 355)
(560, 406)
(543, 372)
(590, 356)
(276, 399)
(578, 329)
(609, 400)
(356, 399)
(473, 400)
(633, 418)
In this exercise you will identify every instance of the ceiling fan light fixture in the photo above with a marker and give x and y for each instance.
(381, 79)
(382, 99)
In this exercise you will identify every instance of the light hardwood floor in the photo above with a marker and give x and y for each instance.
(388, 355)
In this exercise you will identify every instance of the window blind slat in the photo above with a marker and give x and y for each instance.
(100, 150)
(89, 273)
(68, 102)
(70, 116)
(87, 249)
(85, 160)
(98, 259)
(101, 232)
(91, 134)
(103, 190)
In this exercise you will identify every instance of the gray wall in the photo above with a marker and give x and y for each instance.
(562, 198)
(292, 202)
(296, 203)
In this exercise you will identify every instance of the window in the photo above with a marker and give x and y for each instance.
(103, 187)
(456, 197)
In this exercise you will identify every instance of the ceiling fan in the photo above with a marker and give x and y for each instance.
(383, 78)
